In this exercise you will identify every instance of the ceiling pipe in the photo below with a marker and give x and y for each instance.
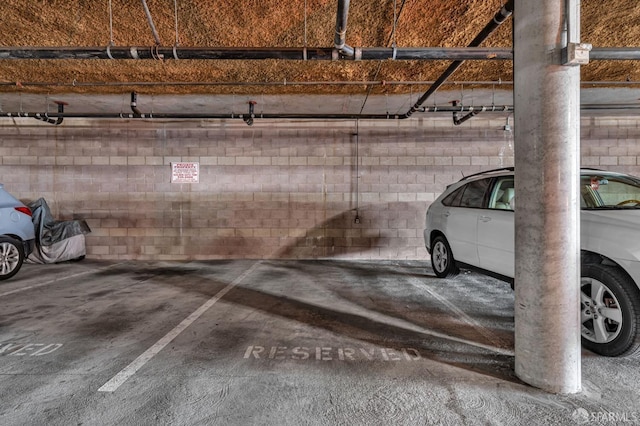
(207, 116)
(134, 103)
(254, 53)
(249, 118)
(289, 53)
(252, 115)
(605, 107)
(74, 83)
(285, 82)
(501, 16)
(46, 116)
(615, 53)
(341, 30)
(151, 25)
(457, 120)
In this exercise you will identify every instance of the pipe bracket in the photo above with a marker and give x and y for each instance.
(109, 52)
(155, 53)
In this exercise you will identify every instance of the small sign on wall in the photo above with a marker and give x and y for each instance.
(185, 172)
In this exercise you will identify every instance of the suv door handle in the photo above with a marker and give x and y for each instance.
(485, 218)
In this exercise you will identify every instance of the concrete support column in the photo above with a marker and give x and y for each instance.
(547, 226)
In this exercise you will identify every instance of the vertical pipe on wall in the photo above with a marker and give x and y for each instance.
(547, 221)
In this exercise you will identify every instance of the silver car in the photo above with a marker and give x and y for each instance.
(17, 234)
(471, 225)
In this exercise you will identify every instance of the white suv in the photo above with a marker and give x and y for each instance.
(471, 226)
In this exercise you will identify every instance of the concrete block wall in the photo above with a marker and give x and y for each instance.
(274, 190)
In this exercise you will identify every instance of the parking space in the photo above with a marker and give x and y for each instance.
(276, 342)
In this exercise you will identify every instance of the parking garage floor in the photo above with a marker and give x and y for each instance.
(277, 343)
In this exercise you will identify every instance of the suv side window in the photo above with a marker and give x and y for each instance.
(474, 193)
(503, 194)
(453, 199)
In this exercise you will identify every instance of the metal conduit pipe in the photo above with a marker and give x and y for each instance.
(292, 83)
(150, 20)
(230, 116)
(253, 53)
(457, 53)
(497, 20)
(134, 103)
(273, 83)
(46, 116)
(292, 53)
(615, 53)
(245, 117)
(46, 119)
(457, 120)
(341, 30)
(249, 117)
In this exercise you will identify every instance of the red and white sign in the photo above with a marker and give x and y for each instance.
(185, 172)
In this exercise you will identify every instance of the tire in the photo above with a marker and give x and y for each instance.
(11, 257)
(442, 260)
(609, 311)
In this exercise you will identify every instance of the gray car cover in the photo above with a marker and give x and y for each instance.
(56, 241)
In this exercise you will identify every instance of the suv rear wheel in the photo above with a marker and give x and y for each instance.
(442, 260)
(11, 257)
(609, 311)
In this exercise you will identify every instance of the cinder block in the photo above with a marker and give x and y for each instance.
(479, 161)
(627, 161)
(97, 251)
(443, 161)
(136, 161)
(618, 151)
(335, 161)
(407, 197)
(244, 161)
(425, 161)
(608, 161)
(407, 161)
(226, 161)
(461, 161)
(118, 161)
(100, 161)
(153, 160)
(590, 161)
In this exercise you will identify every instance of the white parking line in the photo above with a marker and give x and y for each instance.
(500, 345)
(117, 380)
(55, 280)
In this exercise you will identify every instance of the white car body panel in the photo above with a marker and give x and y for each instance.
(496, 241)
(462, 227)
(616, 233)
